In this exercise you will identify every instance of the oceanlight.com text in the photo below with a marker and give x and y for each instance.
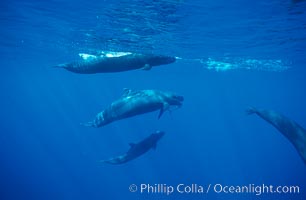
(218, 188)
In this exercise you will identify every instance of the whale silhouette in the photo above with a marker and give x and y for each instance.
(289, 128)
(137, 149)
(115, 62)
(136, 102)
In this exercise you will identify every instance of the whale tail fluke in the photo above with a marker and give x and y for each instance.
(89, 124)
(250, 110)
(60, 66)
(110, 161)
(102, 161)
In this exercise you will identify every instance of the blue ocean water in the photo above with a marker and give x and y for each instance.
(234, 54)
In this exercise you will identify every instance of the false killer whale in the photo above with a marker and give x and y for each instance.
(108, 62)
(289, 128)
(136, 102)
(137, 149)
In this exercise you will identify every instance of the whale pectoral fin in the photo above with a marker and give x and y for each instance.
(163, 109)
(146, 67)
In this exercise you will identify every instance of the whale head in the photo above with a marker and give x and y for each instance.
(155, 60)
(155, 137)
(158, 134)
(173, 99)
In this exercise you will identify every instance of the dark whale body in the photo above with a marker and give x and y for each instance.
(107, 64)
(134, 103)
(289, 128)
(137, 149)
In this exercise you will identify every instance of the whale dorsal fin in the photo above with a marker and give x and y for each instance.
(126, 92)
(146, 67)
(163, 109)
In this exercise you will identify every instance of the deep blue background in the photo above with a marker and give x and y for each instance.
(46, 154)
